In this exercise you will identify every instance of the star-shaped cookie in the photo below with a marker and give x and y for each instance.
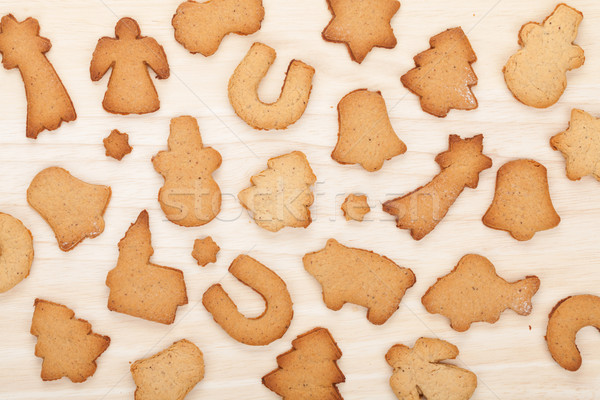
(361, 25)
(205, 251)
(117, 145)
(580, 145)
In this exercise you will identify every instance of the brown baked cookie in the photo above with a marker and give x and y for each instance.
(443, 76)
(271, 324)
(565, 320)
(537, 74)
(580, 145)
(365, 136)
(473, 292)
(200, 27)
(117, 145)
(129, 54)
(420, 372)
(169, 374)
(361, 25)
(522, 204)
(355, 207)
(140, 288)
(67, 345)
(205, 251)
(243, 90)
(421, 210)
(16, 252)
(357, 276)
(309, 370)
(73, 208)
(281, 195)
(22, 47)
(190, 195)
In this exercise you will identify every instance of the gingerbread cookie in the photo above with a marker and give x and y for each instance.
(537, 74)
(365, 136)
(420, 372)
(281, 195)
(243, 90)
(421, 210)
(580, 145)
(129, 54)
(355, 207)
(271, 324)
(117, 145)
(473, 292)
(200, 27)
(205, 251)
(361, 25)
(565, 320)
(16, 255)
(357, 276)
(169, 374)
(522, 204)
(140, 288)
(190, 195)
(443, 76)
(22, 47)
(309, 370)
(73, 208)
(67, 345)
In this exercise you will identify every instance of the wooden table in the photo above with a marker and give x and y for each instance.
(510, 358)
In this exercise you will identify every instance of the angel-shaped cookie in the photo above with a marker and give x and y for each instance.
(130, 88)
(48, 103)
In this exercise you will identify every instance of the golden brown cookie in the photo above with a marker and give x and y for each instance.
(357, 276)
(565, 320)
(419, 371)
(580, 145)
(67, 345)
(537, 73)
(117, 145)
(205, 251)
(281, 195)
(140, 288)
(522, 204)
(200, 27)
(365, 136)
(243, 90)
(309, 370)
(73, 208)
(355, 207)
(271, 324)
(129, 54)
(473, 292)
(443, 76)
(421, 210)
(190, 195)
(361, 25)
(22, 47)
(169, 374)
(16, 252)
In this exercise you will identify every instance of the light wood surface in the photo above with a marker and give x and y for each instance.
(510, 358)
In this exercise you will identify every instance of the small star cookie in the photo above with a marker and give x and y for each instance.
(361, 25)
(355, 207)
(205, 251)
(580, 145)
(117, 145)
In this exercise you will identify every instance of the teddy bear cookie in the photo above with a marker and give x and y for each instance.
(537, 74)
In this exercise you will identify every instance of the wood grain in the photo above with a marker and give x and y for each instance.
(510, 357)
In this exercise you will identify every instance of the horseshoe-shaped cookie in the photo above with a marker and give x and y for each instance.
(565, 320)
(243, 90)
(273, 322)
